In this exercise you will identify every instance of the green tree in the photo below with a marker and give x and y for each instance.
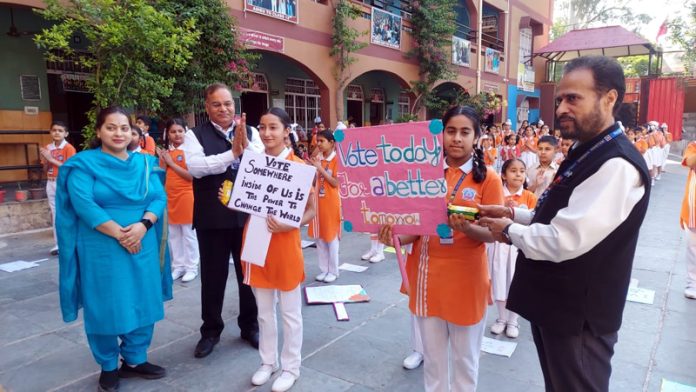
(582, 14)
(636, 66)
(683, 32)
(134, 49)
(218, 54)
(433, 28)
(344, 42)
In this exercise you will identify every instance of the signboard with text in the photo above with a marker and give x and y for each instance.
(392, 174)
(271, 185)
(260, 40)
(280, 9)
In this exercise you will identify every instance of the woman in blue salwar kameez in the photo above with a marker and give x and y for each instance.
(115, 265)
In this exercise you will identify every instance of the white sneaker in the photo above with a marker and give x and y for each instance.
(284, 382)
(659, 176)
(54, 251)
(652, 183)
(177, 273)
(690, 292)
(368, 255)
(498, 327)
(189, 276)
(413, 360)
(330, 278)
(377, 258)
(321, 277)
(512, 331)
(263, 374)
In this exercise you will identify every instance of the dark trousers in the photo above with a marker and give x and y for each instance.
(575, 363)
(215, 246)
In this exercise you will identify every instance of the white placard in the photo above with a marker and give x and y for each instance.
(498, 347)
(671, 386)
(271, 185)
(336, 293)
(352, 267)
(18, 265)
(307, 244)
(643, 296)
(256, 242)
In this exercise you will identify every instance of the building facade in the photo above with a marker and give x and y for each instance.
(295, 70)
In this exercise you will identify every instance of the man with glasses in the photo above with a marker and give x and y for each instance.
(213, 151)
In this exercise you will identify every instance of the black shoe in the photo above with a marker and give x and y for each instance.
(108, 381)
(252, 337)
(144, 370)
(205, 347)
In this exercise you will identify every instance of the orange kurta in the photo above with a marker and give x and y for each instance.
(641, 145)
(687, 218)
(179, 192)
(60, 154)
(490, 155)
(284, 269)
(524, 198)
(527, 143)
(327, 223)
(452, 281)
(147, 143)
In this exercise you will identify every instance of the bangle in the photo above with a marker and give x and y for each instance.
(147, 223)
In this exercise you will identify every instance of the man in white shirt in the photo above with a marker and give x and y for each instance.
(577, 247)
(213, 152)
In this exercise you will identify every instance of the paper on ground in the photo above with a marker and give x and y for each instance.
(498, 347)
(352, 267)
(634, 283)
(389, 249)
(643, 296)
(671, 386)
(18, 265)
(257, 240)
(307, 244)
(335, 293)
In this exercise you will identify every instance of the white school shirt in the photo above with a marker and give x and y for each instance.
(596, 207)
(200, 165)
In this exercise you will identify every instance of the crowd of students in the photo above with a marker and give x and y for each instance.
(450, 278)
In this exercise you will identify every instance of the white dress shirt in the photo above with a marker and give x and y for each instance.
(596, 207)
(200, 165)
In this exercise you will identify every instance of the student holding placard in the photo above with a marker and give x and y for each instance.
(448, 276)
(281, 276)
(326, 226)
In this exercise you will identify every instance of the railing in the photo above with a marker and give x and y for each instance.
(68, 63)
(487, 40)
(27, 166)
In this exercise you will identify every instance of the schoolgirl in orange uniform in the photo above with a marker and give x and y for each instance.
(448, 275)
(326, 226)
(687, 219)
(490, 154)
(510, 150)
(183, 243)
(528, 147)
(503, 256)
(280, 278)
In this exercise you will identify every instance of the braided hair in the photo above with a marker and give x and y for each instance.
(479, 164)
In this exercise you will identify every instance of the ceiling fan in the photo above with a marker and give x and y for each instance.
(14, 32)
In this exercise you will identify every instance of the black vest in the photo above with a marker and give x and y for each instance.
(591, 288)
(208, 211)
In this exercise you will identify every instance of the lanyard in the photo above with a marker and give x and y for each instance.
(567, 173)
(456, 188)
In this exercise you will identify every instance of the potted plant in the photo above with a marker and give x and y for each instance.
(21, 194)
(36, 190)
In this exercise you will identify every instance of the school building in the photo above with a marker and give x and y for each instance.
(491, 51)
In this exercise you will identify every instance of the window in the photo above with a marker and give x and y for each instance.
(302, 101)
(404, 104)
(260, 84)
(354, 93)
(377, 95)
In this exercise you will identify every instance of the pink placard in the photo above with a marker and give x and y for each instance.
(392, 174)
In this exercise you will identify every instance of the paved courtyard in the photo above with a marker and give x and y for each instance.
(38, 352)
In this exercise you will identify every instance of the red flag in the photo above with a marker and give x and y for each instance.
(662, 31)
